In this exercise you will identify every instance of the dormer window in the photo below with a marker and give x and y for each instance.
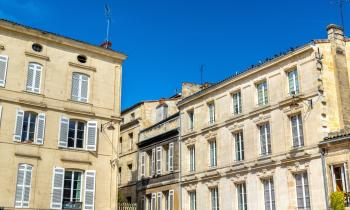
(161, 112)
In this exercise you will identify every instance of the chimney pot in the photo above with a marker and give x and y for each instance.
(335, 32)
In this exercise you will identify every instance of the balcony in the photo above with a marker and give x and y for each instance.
(72, 205)
(164, 126)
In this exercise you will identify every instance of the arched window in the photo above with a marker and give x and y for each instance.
(34, 77)
(80, 87)
(29, 127)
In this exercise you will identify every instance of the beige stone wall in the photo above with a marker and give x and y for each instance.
(58, 59)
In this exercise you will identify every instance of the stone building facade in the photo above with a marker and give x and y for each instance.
(60, 117)
(252, 140)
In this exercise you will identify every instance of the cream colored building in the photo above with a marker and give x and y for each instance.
(59, 102)
(251, 140)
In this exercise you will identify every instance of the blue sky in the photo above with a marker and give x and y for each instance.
(167, 41)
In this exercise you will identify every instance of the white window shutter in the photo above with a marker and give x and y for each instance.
(18, 125)
(142, 163)
(91, 135)
(153, 162)
(37, 78)
(84, 88)
(20, 186)
(0, 113)
(153, 201)
(3, 69)
(63, 132)
(159, 160)
(171, 200)
(40, 129)
(30, 77)
(75, 86)
(171, 156)
(89, 196)
(57, 188)
(27, 185)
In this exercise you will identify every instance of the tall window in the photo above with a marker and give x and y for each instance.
(192, 158)
(80, 87)
(212, 145)
(302, 188)
(293, 82)
(262, 93)
(161, 112)
(211, 108)
(237, 103)
(192, 196)
(242, 196)
(29, 127)
(24, 180)
(339, 174)
(159, 201)
(170, 157)
(131, 140)
(239, 146)
(120, 145)
(72, 187)
(34, 77)
(130, 172)
(269, 194)
(76, 134)
(170, 204)
(214, 194)
(265, 140)
(120, 175)
(142, 164)
(297, 130)
(191, 120)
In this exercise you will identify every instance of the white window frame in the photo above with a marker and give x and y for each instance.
(299, 130)
(213, 153)
(27, 169)
(267, 138)
(192, 151)
(79, 97)
(4, 58)
(36, 67)
(237, 103)
(344, 176)
(271, 194)
(193, 200)
(211, 112)
(239, 146)
(264, 91)
(303, 189)
(75, 134)
(72, 184)
(241, 190)
(190, 120)
(214, 198)
(295, 82)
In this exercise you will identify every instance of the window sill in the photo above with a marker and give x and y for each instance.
(79, 102)
(75, 149)
(33, 93)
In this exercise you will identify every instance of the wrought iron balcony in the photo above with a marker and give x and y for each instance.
(72, 205)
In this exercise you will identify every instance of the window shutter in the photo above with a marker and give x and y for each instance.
(63, 133)
(84, 88)
(40, 129)
(153, 201)
(57, 188)
(91, 135)
(37, 78)
(171, 200)
(18, 125)
(20, 186)
(27, 185)
(153, 161)
(75, 86)
(30, 77)
(159, 160)
(142, 163)
(159, 201)
(3, 69)
(0, 113)
(89, 190)
(171, 156)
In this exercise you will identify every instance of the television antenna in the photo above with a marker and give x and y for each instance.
(341, 10)
(108, 18)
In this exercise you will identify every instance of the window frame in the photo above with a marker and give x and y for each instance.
(305, 204)
(214, 196)
(211, 112)
(295, 79)
(193, 199)
(190, 120)
(265, 93)
(271, 190)
(300, 130)
(81, 190)
(32, 89)
(238, 146)
(79, 97)
(75, 133)
(241, 190)
(29, 126)
(213, 154)
(192, 159)
(267, 141)
(237, 101)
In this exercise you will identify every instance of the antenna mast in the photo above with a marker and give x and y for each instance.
(108, 18)
(341, 7)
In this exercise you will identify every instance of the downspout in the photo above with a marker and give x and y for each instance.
(325, 184)
(180, 162)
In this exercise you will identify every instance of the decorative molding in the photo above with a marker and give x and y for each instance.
(264, 174)
(236, 127)
(262, 118)
(76, 161)
(77, 65)
(20, 154)
(190, 187)
(38, 56)
(238, 178)
(298, 167)
(190, 142)
(32, 103)
(210, 135)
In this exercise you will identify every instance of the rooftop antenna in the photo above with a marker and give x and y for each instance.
(108, 18)
(202, 70)
(341, 7)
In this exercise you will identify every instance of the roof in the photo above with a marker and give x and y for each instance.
(338, 136)
(4, 21)
(254, 67)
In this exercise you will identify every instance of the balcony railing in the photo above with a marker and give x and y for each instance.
(160, 128)
(72, 205)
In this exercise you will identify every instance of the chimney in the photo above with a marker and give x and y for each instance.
(106, 44)
(338, 53)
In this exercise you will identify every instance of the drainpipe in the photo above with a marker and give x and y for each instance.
(180, 163)
(325, 185)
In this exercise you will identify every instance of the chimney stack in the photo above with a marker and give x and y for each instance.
(335, 33)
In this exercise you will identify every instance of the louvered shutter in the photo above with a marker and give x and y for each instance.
(159, 201)
(75, 86)
(57, 188)
(171, 200)
(63, 133)
(153, 162)
(27, 185)
(142, 163)
(91, 135)
(153, 201)
(171, 156)
(40, 129)
(89, 196)
(159, 160)
(30, 77)
(0, 113)
(37, 78)
(18, 125)
(3, 69)
(84, 88)
(19, 186)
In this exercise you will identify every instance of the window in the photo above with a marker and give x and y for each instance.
(265, 141)
(153, 201)
(237, 103)
(269, 194)
(120, 175)
(239, 146)
(293, 82)
(297, 130)
(159, 201)
(170, 161)
(80, 87)
(262, 93)
(302, 188)
(192, 158)
(23, 186)
(77, 134)
(34, 77)
(242, 196)
(3, 69)
(37, 47)
(132, 116)
(131, 140)
(142, 164)
(159, 160)
(191, 120)
(81, 58)
(170, 205)
(29, 127)
(212, 145)
(130, 172)
(161, 112)
(214, 195)
(153, 162)
(211, 108)
(72, 187)
(120, 145)
(340, 178)
(192, 196)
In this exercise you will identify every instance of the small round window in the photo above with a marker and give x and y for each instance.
(82, 58)
(37, 47)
